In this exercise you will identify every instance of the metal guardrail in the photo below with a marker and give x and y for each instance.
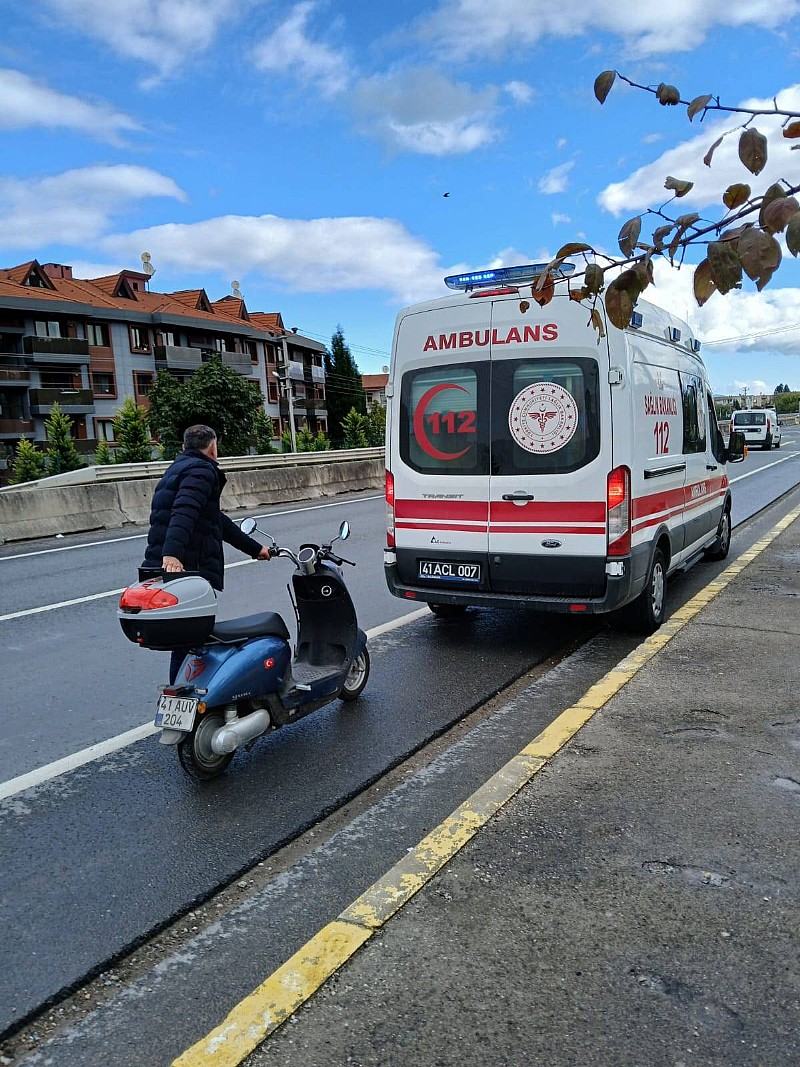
(123, 472)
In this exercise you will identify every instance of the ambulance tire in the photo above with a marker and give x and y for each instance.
(648, 610)
(721, 547)
(448, 611)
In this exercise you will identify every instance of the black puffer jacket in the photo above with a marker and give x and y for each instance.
(186, 521)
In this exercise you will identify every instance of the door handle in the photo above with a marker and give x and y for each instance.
(517, 496)
(711, 466)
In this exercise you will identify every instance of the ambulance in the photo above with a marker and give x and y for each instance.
(534, 460)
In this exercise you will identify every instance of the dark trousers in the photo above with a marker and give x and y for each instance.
(175, 660)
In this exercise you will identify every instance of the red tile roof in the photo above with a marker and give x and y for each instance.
(374, 381)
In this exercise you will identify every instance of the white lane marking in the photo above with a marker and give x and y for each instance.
(758, 470)
(61, 604)
(141, 537)
(130, 737)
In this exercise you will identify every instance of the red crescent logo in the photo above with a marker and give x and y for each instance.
(419, 423)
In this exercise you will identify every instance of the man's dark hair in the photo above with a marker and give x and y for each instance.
(198, 437)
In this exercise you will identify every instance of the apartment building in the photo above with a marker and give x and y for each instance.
(90, 343)
(375, 388)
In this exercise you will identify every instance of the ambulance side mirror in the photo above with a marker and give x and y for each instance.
(737, 447)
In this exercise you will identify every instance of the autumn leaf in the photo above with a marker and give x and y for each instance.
(680, 188)
(596, 320)
(793, 234)
(683, 222)
(593, 277)
(660, 233)
(603, 83)
(709, 154)
(667, 95)
(775, 192)
(572, 250)
(523, 306)
(544, 294)
(726, 270)
(579, 294)
(629, 235)
(704, 285)
(759, 255)
(735, 195)
(753, 150)
(792, 130)
(621, 296)
(778, 213)
(697, 105)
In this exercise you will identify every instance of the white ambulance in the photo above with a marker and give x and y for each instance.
(532, 462)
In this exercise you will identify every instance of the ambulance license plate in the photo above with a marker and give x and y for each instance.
(176, 713)
(449, 571)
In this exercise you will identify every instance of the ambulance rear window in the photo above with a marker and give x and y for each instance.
(545, 415)
(442, 427)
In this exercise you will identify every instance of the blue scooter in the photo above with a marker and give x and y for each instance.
(241, 680)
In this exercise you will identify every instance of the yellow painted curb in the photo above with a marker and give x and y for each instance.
(263, 1011)
(278, 997)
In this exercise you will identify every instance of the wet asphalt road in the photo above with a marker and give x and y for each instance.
(98, 859)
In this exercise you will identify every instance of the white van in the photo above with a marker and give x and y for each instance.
(759, 426)
(530, 461)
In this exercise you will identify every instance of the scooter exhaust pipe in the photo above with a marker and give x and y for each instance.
(233, 734)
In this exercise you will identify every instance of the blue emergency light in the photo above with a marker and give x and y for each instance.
(521, 275)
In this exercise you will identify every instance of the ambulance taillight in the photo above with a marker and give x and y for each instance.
(390, 543)
(619, 512)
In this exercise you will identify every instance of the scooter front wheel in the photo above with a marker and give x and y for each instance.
(356, 678)
(196, 755)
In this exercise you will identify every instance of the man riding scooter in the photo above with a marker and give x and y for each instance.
(187, 527)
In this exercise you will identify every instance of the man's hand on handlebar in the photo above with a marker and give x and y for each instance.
(264, 553)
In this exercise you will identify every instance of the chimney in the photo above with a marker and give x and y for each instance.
(57, 270)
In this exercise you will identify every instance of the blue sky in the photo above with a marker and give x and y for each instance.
(305, 149)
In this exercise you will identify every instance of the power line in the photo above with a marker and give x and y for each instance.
(753, 336)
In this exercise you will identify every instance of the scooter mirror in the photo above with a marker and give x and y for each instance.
(344, 530)
(248, 525)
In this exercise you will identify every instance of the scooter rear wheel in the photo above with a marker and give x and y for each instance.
(197, 757)
(356, 678)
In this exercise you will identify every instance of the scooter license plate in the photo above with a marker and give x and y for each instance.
(176, 713)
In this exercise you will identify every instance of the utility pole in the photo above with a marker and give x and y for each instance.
(286, 385)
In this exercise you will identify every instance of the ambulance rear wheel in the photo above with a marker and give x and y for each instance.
(448, 611)
(197, 757)
(647, 612)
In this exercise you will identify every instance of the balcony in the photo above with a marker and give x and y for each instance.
(16, 428)
(56, 349)
(239, 361)
(71, 401)
(178, 357)
(295, 370)
(13, 372)
(317, 374)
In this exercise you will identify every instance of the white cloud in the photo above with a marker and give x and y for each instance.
(558, 218)
(652, 138)
(556, 180)
(161, 34)
(75, 207)
(420, 110)
(561, 143)
(520, 92)
(289, 50)
(464, 29)
(305, 255)
(29, 103)
(645, 187)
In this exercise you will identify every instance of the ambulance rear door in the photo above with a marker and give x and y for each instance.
(551, 451)
(439, 443)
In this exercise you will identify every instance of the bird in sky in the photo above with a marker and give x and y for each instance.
(445, 194)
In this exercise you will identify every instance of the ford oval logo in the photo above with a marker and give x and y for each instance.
(551, 544)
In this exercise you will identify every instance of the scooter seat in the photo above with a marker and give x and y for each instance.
(265, 624)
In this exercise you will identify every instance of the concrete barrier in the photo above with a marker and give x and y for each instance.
(29, 513)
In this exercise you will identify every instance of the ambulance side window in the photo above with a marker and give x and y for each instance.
(717, 440)
(694, 414)
(443, 420)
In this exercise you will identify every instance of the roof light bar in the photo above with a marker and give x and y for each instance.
(504, 276)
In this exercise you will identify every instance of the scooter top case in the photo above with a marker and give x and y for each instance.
(169, 614)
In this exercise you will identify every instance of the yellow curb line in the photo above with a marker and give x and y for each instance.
(269, 1005)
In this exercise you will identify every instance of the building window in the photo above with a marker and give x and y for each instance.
(140, 339)
(142, 383)
(166, 337)
(252, 348)
(47, 329)
(58, 378)
(272, 393)
(103, 384)
(97, 334)
(104, 429)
